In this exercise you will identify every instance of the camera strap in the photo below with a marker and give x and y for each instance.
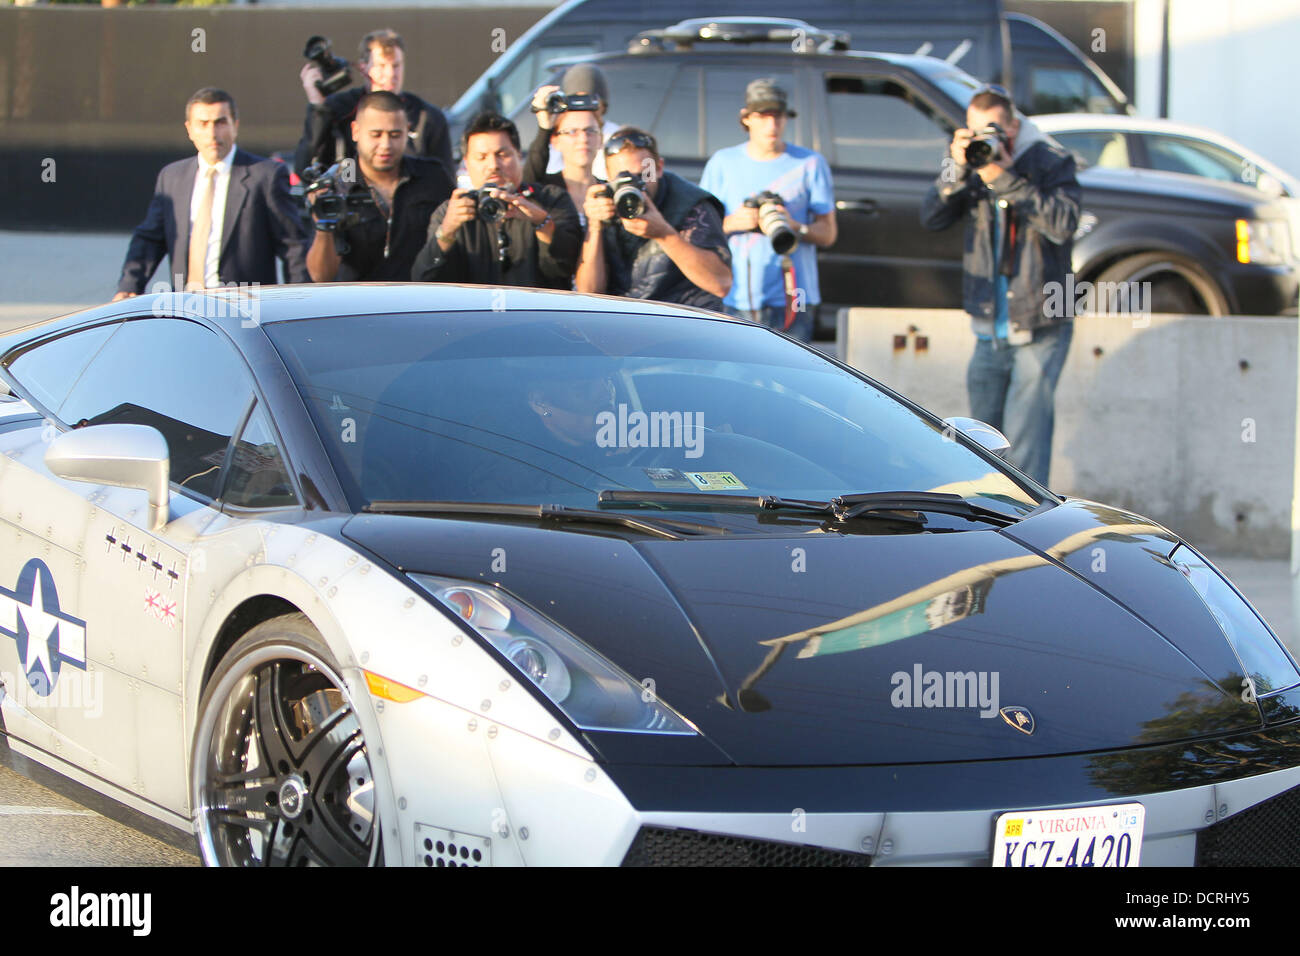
(791, 290)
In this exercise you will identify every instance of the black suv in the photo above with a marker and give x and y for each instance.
(883, 122)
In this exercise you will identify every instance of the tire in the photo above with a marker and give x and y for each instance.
(280, 774)
(1178, 284)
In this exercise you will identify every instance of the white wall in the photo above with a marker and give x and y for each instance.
(1234, 67)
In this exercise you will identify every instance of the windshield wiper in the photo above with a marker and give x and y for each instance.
(839, 508)
(852, 506)
(663, 527)
(762, 503)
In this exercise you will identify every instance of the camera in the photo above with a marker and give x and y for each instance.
(333, 68)
(985, 145)
(628, 192)
(335, 207)
(557, 102)
(490, 209)
(772, 222)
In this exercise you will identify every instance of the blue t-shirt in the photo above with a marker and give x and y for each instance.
(803, 178)
(1001, 311)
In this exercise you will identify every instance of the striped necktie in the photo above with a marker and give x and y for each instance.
(195, 274)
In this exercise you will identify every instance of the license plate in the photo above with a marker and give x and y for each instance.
(1086, 836)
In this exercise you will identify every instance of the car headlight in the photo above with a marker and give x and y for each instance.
(1261, 654)
(592, 691)
(1263, 241)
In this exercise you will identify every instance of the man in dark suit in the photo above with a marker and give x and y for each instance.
(223, 218)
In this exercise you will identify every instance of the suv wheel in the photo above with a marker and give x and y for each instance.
(1178, 285)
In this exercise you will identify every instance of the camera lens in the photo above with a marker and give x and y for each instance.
(777, 230)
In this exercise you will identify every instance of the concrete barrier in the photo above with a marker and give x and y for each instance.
(1188, 420)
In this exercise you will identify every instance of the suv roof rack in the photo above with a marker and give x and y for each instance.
(802, 37)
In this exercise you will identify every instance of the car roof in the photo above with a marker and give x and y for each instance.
(915, 61)
(243, 308)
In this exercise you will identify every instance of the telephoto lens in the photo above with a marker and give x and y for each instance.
(773, 223)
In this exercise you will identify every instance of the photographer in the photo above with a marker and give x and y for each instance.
(780, 205)
(503, 231)
(1017, 193)
(326, 140)
(583, 87)
(652, 234)
(371, 228)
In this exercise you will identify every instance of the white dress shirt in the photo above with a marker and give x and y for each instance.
(220, 188)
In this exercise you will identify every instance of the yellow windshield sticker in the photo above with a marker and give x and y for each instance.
(715, 481)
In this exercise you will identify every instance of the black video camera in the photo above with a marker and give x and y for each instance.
(557, 102)
(985, 145)
(772, 222)
(336, 207)
(333, 68)
(628, 192)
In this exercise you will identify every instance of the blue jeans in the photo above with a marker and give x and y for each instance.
(1013, 388)
(773, 316)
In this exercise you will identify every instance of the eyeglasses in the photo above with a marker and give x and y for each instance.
(588, 131)
(617, 144)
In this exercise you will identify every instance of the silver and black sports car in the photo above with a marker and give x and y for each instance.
(448, 576)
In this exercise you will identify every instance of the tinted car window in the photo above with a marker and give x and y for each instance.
(257, 477)
(178, 377)
(677, 127)
(532, 408)
(1063, 89)
(878, 123)
(1105, 148)
(1178, 154)
(46, 371)
(636, 91)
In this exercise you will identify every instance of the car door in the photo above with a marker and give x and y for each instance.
(189, 383)
(47, 680)
(885, 142)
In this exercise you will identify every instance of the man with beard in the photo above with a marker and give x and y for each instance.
(389, 195)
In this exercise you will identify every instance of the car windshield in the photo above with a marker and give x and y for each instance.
(550, 407)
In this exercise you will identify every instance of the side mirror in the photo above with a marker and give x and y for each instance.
(125, 456)
(986, 436)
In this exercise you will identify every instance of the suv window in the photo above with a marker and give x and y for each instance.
(46, 371)
(516, 88)
(879, 124)
(1063, 89)
(677, 126)
(178, 377)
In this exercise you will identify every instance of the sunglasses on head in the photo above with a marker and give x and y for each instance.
(617, 144)
(995, 89)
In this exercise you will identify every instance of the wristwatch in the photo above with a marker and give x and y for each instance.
(803, 230)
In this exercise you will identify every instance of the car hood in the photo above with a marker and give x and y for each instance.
(818, 649)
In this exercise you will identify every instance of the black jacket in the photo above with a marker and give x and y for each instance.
(329, 125)
(382, 247)
(261, 224)
(640, 269)
(474, 255)
(1042, 197)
